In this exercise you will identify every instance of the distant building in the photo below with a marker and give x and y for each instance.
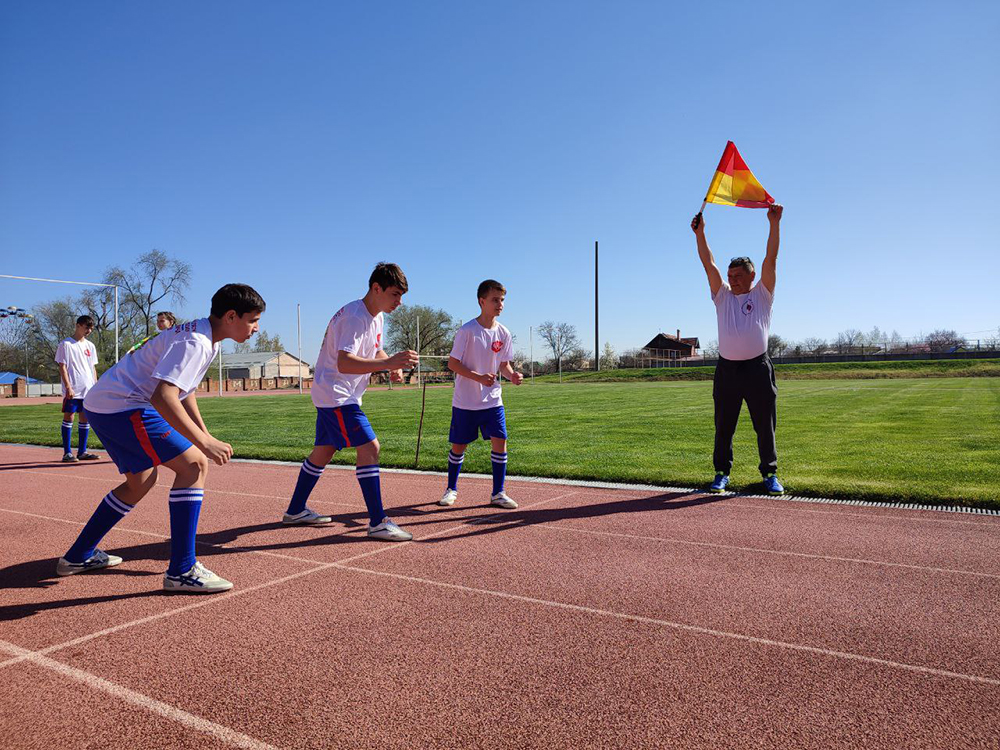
(7, 378)
(264, 365)
(665, 349)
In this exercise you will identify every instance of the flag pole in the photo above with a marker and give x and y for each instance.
(700, 211)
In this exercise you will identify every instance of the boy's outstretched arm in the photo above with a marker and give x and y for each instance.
(396, 376)
(705, 254)
(166, 400)
(768, 271)
(507, 370)
(352, 364)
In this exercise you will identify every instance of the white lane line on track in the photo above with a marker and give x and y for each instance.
(209, 492)
(218, 731)
(563, 528)
(684, 627)
(761, 550)
(250, 589)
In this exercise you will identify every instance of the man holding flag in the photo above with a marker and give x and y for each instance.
(744, 371)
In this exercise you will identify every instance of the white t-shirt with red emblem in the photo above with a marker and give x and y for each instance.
(80, 358)
(481, 350)
(744, 321)
(180, 356)
(353, 330)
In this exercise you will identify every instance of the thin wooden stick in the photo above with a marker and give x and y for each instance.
(420, 429)
(700, 212)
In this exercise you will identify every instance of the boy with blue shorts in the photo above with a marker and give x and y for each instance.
(77, 359)
(482, 346)
(351, 351)
(145, 412)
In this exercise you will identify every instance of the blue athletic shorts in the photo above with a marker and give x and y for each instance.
(343, 427)
(465, 423)
(72, 405)
(137, 439)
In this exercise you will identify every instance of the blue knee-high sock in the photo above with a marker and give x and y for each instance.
(108, 513)
(67, 435)
(185, 505)
(372, 491)
(84, 434)
(499, 461)
(454, 467)
(309, 474)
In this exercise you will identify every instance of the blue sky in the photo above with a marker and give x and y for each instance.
(293, 145)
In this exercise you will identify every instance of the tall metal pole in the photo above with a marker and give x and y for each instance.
(298, 313)
(531, 347)
(597, 337)
(118, 324)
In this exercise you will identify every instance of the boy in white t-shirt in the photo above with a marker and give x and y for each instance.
(351, 351)
(145, 412)
(482, 346)
(77, 358)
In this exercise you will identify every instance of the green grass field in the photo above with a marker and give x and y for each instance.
(922, 440)
(939, 368)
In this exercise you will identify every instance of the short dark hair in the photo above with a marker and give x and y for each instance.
(85, 320)
(387, 275)
(239, 298)
(488, 286)
(168, 315)
(742, 262)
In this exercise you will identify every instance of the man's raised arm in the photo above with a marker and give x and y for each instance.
(768, 271)
(705, 254)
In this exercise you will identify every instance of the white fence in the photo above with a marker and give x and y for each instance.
(44, 389)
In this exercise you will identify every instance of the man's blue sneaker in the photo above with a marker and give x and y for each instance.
(720, 483)
(772, 485)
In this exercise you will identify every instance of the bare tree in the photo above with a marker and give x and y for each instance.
(942, 340)
(711, 351)
(609, 360)
(814, 345)
(848, 340)
(561, 338)
(154, 277)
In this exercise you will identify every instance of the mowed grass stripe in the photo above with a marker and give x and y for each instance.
(915, 440)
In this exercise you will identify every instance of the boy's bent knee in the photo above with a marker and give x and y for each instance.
(368, 453)
(191, 467)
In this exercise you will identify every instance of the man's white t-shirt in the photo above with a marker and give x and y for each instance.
(80, 358)
(180, 355)
(744, 321)
(481, 350)
(353, 330)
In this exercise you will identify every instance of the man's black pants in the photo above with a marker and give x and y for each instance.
(736, 381)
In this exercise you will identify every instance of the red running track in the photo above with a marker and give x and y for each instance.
(587, 618)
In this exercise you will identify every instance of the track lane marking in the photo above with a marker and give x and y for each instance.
(192, 721)
(761, 550)
(685, 627)
(250, 589)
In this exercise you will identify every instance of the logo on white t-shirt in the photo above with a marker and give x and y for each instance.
(497, 345)
(747, 307)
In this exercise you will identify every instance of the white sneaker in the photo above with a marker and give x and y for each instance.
(198, 580)
(389, 531)
(96, 561)
(306, 518)
(450, 496)
(502, 501)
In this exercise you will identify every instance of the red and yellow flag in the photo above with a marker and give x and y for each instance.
(734, 183)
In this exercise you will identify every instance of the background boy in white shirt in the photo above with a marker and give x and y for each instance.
(482, 346)
(351, 351)
(77, 358)
(145, 412)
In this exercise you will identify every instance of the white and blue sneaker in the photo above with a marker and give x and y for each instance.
(96, 561)
(305, 518)
(502, 500)
(198, 580)
(388, 531)
(450, 496)
(719, 484)
(772, 485)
